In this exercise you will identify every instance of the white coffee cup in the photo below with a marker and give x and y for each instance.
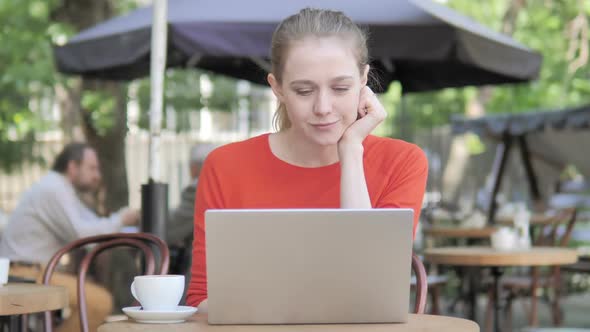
(158, 292)
(4, 269)
(504, 239)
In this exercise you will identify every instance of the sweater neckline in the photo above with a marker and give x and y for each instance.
(278, 161)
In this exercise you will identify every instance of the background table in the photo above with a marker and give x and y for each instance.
(497, 259)
(460, 232)
(471, 236)
(487, 256)
(199, 323)
(18, 299)
(537, 219)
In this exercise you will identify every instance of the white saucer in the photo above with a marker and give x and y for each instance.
(160, 317)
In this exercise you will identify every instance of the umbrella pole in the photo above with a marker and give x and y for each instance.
(154, 202)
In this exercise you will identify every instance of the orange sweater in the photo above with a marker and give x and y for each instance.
(248, 175)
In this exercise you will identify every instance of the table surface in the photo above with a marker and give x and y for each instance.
(198, 322)
(460, 232)
(24, 298)
(537, 219)
(487, 256)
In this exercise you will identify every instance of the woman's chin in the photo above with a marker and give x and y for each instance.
(327, 139)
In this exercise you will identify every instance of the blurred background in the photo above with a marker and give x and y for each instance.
(42, 109)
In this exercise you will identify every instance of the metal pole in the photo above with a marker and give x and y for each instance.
(497, 274)
(154, 194)
(528, 167)
(500, 160)
(158, 66)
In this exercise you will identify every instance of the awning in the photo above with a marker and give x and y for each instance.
(525, 123)
(548, 142)
(555, 138)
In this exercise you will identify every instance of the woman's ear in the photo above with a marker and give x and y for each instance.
(275, 86)
(365, 75)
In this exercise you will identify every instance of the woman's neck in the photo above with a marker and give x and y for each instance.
(299, 152)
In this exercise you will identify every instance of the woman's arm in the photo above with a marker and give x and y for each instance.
(208, 196)
(353, 186)
(406, 184)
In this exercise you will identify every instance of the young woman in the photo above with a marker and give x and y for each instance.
(323, 155)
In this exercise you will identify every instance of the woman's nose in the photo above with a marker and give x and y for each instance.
(323, 103)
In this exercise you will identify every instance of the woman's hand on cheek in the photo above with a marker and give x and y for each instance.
(370, 113)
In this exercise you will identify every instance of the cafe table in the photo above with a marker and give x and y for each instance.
(27, 298)
(497, 260)
(471, 235)
(459, 232)
(198, 323)
(537, 219)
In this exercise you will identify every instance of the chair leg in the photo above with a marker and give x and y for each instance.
(24, 320)
(555, 307)
(533, 314)
(556, 313)
(489, 309)
(533, 317)
(435, 300)
(452, 307)
(526, 309)
(508, 312)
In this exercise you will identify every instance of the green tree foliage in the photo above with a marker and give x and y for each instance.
(182, 95)
(543, 25)
(26, 76)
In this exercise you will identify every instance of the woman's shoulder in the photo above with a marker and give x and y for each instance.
(238, 151)
(386, 144)
(393, 150)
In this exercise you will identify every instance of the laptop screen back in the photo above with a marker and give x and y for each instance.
(308, 266)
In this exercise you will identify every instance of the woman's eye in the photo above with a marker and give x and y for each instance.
(303, 92)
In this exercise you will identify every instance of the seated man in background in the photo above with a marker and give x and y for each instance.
(179, 233)
(50, 215)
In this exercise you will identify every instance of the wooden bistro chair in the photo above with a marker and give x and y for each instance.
(434, 283)
(144, 242)
(421, 284)
(556, 233)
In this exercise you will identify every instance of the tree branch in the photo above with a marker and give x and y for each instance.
(509, 19)
(476, 106)
(577, 31)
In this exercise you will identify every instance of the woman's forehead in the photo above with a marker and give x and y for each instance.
(325, 57)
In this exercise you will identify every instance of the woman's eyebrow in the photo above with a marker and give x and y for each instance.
(309, 82)
(342, 78)
(301, 82)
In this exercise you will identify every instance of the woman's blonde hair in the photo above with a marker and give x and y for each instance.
(315, 23)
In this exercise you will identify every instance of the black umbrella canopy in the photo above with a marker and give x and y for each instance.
(422, 44)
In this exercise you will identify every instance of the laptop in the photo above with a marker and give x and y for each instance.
(308, 266)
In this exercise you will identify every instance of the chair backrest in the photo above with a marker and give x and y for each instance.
(421, 284)
(142, 241)
(550, 234)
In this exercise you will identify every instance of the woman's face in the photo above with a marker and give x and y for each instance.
(320, 88)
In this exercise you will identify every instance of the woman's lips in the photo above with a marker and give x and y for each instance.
(324, 125)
